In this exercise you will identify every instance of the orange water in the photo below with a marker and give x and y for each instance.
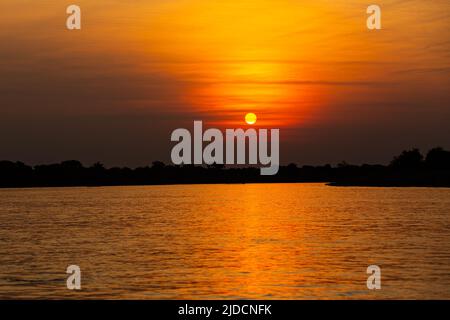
(285, 241)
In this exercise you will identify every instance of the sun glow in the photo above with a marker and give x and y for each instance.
(296, 62)
(256, 62)
(250, 118)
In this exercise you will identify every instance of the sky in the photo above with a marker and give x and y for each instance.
(115, 90)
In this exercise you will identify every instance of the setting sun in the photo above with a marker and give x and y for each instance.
(250, 118)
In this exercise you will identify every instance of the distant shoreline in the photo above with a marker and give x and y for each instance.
(329, 184)
(409, 169)
(332, 184)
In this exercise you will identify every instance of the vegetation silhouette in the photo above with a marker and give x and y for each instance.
(410, 168)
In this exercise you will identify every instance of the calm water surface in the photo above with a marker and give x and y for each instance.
(262, 241)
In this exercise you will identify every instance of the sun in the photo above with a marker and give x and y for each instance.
(250, 118)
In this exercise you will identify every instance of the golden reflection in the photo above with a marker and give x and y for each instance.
(250, 241)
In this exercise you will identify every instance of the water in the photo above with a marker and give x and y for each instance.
(256, 241)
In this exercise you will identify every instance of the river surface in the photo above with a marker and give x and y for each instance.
(241, 241)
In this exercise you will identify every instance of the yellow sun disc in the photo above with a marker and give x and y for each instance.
(250, 118)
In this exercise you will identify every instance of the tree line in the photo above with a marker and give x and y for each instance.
(410, 168)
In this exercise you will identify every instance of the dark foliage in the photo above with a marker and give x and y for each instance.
(410, 168)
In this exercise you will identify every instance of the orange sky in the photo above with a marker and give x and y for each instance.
(139, 69)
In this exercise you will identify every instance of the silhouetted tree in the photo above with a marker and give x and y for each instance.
(411, 159)
(72, 165)
(438, 158)
(217, 166)
(158, 165)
